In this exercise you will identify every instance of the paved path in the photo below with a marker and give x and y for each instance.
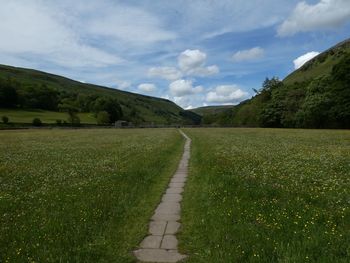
(161, 243)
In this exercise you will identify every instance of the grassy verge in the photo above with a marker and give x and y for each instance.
(27, 116)
(264, 195)
(81, 195)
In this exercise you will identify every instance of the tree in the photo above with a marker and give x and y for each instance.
(8, 95)
(5, 119)
(69, 106)
(39, 97)
(36, 122)
(103, 117)
(109, 105)
(270, 84)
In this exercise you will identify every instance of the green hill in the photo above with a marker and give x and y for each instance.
(315, 96)
(27, 90)
(211, 109)
(320, 65)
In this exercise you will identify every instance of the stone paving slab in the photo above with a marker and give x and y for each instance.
(157, 227)
(174, 190)
(169, 242)
(158, 255)
(172, 197)
(172, 228)
(178, 180)
(165, 217)
(161, 243)
(176, 185)
(168, 208)
(151, 242)
(180, 175)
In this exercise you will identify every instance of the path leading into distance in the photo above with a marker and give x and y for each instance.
(161, 243)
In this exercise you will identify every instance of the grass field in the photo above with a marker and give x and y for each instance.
(81, 195)
(27, 116)
(263, 195)
(253, 195)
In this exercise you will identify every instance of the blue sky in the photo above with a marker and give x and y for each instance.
(196, 53)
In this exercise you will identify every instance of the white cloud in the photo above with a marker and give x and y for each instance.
(169, 73)
(192, 62)
(248, 54)
(128, 24)
(300, 61)
(181, 87)
(187, 103)
(226, 94)
(123, 85)
(147, 87)
(204, 72)
(190, 59)
(38, 30)
(75, 35)
(323, 15)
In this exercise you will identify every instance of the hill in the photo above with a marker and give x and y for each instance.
(320, 65)
(315, 96)
(30, 90)
(211, 109)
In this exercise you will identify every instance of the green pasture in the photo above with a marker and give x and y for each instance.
(253, 195)
(27, 116)
(267, 195)
(81, 195)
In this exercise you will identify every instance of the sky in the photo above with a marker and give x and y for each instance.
(195, 53)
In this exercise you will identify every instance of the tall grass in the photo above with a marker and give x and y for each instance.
(81, 195)
(264, 195)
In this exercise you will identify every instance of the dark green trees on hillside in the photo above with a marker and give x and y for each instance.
(109, 105)
(322, 102)
(30, 96)
(8, 95)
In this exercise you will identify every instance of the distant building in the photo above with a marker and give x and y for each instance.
(121, 124)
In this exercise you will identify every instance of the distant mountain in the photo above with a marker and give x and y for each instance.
(317, 95)
(32, 89)
(211, 109)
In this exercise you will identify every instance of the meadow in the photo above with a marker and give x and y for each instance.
(27, 116)
(267, 195)
(81, 195)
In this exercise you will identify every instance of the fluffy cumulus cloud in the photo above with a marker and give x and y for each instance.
(226, 94)
(123, 85)
(325, 14)
(192, 62)
(147, 87)
(300, 61)
(182, 87)
(248, 54)
(184, 102)
(168, 73)
(190, 59)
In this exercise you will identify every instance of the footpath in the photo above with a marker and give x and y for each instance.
(161, 243)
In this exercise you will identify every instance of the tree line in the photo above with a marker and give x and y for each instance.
(14, 94)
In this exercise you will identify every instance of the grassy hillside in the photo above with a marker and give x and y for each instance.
(136, 107)
(320, 65)
(211, 109)
(315, 96)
